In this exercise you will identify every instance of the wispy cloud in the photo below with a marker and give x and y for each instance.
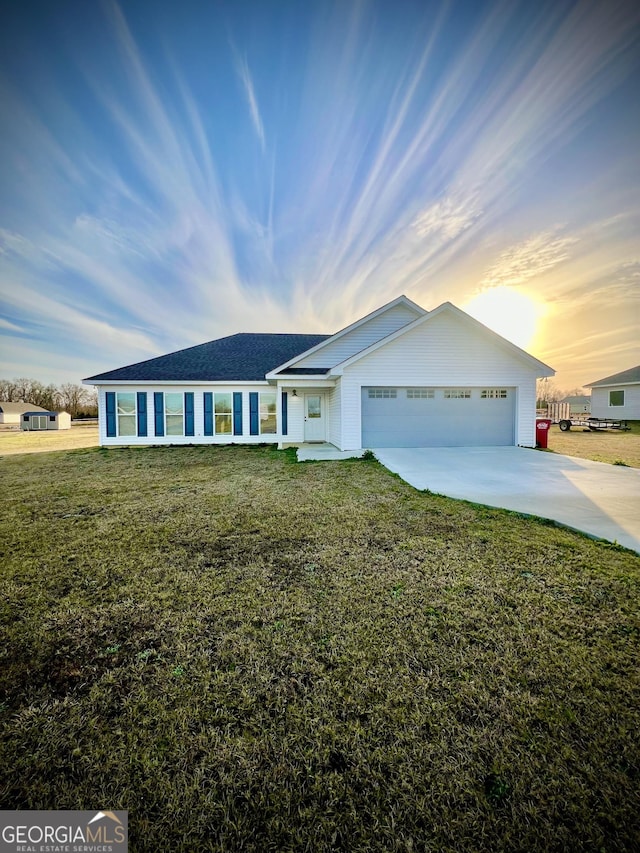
(530, 259)
(395, 170)
(244, 75)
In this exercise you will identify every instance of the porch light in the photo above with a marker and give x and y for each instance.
(294, 393)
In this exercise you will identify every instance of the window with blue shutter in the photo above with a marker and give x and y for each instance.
(110, 401)
(142, 412)
(237, 412)
(254, 422)
(188, 414)
(208, 413)
(158, 411)
(285, 413)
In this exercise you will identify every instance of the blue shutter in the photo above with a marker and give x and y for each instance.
(254, 419)
(208, 413)
(110, 399)
(142, 412)
(285, 407)
(188, 413)
(237, 412)
(158, 408)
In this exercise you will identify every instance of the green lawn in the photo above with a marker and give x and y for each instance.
(255, 655)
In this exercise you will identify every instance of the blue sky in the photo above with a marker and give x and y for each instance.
(173, 172)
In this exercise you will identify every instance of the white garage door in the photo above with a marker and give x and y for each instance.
(438, 417)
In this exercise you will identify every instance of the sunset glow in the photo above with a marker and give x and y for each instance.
(175, 173)
(511, 313)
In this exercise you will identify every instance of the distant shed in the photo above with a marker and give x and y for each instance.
(45, 420)
(11, 413)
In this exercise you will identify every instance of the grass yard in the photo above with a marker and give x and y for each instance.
(613, 446)
(14, 441)
(255, 655)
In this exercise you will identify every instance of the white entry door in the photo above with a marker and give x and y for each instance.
(314, 417)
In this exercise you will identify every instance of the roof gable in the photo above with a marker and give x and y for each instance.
(240, 358)
(626, 377)
(494, 337)
(357, 331)
(19, 408)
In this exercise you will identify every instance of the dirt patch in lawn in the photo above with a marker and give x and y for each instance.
(612, 446)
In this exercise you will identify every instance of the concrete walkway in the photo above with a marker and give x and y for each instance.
(598, 499)
(325, 452)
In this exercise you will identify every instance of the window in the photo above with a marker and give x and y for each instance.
(457, 393)
(616, 398)
(174, 413)
(126, 413)
(52, 418)
(420, 393)
(267, 413)
(222, 409)
(382, 393)
(493, 394)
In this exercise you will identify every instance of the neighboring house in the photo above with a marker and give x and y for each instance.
(579, 404)
(617, 396)
(11, 413)
(39, 420)
(399, 377)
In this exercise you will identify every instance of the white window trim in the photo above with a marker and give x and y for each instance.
(133, 414)
(382, 393)
(173, 414)
(225, 414)
(420, 393)
(273, 394)
(617, 391)
(494, 394)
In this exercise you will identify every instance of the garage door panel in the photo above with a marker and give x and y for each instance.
(406, 421)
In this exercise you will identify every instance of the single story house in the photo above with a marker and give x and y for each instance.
(11, 413)
(579, 404)
(45, 420)
(399, 377)
(617, 396)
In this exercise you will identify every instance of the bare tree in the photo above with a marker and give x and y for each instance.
(72, 398)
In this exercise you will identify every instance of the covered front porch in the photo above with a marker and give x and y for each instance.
(312, 412)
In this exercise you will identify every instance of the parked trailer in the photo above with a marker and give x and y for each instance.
(595, 424)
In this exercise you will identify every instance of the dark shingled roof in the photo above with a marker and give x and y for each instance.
(242, 358)
(303, 371)
(624, 378)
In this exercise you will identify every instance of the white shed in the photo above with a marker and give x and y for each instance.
(11, 413)
(45, 420)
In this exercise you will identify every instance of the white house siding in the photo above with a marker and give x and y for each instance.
(334, 430)
(600, 407)
(295, 418)
(198, 407)
(360, 338)
(443, 352)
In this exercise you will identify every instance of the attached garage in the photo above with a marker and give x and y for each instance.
(437, 417)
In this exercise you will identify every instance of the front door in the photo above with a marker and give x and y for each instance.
(314, 419)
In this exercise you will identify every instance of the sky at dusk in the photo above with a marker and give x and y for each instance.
(174, 172)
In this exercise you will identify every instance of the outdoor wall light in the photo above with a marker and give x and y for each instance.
(294, 393)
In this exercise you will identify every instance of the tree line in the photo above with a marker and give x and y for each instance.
(548, 392)
(78, 400)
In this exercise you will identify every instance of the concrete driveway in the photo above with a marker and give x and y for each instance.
(598, 499)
